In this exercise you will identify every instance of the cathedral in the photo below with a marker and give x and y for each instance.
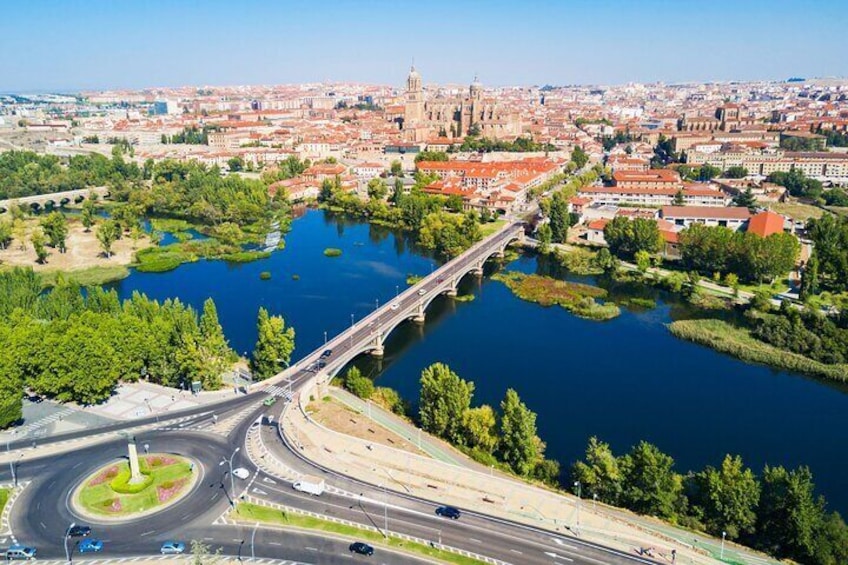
(454, 117)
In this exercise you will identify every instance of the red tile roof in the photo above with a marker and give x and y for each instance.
(766, 223)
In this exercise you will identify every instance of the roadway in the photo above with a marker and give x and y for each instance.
(42, 512)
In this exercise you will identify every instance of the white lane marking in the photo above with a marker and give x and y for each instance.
(147, 533)
(562, 543)
(474, 540)
(311, 548)
(555, 556)
(516, 551)
(274, 543)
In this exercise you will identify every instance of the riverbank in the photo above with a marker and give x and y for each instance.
(727, 338)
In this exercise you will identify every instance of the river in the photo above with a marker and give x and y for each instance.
(623, 380)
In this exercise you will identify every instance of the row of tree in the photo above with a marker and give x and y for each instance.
(25, 173)
(444, 410)
(75, 344)
(777, 512)
(827, 268)
(797, 183)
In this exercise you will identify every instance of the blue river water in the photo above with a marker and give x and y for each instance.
(623, 380)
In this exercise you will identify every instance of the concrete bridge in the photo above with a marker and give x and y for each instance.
(54, 199)
(369, 334)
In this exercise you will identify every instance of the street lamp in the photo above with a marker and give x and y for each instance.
(232, 479)
(288, 376)
(325, 337)
(397, 290)
(579, 498)
(723, 535)
(67, 534)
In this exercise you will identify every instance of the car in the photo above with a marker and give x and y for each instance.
(327, 353)
(422, 292)
(35, 399)
(18, 551)
(269, 401)
(90, 546)
(395, 306)
(79, 532)
(361, 548)
(172, 548)
(449, 512)
(322, 364)
(241, 472)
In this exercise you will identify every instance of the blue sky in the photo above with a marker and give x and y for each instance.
(78, 44)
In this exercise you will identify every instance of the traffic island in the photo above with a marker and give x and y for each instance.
(112, 494)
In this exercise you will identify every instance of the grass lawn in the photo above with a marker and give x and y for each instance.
(255, 513)
(92, 276)
(489, 228)
(4, 498)
(98, 496)
(797, 210)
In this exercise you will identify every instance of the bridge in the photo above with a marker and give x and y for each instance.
(369, 334)
(54, 199)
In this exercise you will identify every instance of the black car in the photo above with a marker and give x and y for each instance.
(327, 353)
(322, 364)
(361, 548)
(79, 532)
(449, 512)
(34, 398)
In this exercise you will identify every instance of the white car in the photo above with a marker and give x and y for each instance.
(395, 306)
(241, 472)
(422, 292)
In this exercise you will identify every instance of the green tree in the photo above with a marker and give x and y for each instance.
(605, 260)
(274, 345)
(626, 237)
(38, 242)
(430, 156)
(810, 278)
(88, 215)
(11, 385)
(789, 513)
(679, 200)
(5, 233)
(396, 168)
(480, 428)
(728, 497)
(443, 400)
(519, 446)
(601, 472)
(643, 261)
(55, 227)
(560, 219)
(650, 484)
(736, 172)
(579, 157)
(358, 384)
(235, 164)
(708, 172)
(746, 199)
(107, 234)
(377, 189)
(545, 235)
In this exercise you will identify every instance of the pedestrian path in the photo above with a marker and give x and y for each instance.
(142, 560)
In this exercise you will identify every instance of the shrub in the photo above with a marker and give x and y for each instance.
(332, 252)
(264, 275)
(121, 483)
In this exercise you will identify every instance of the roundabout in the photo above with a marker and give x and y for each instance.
(110, 495)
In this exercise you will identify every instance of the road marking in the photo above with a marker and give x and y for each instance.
(562, 543)
(258, 491)
(208, 539)
(555, 556)
(43, 526)
(311, 548)
(516, 551)
(273, 543)
(147, 533)
(474, 540)
(269, 480)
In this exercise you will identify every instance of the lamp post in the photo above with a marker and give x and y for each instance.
(232, 479)
(723, 535)
(386, 509)
(325, 337)
(67, 534)
(288, 376)
(579, 498)
(397, 290)
(594, 501)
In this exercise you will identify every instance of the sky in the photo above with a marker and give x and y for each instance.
(69, 45)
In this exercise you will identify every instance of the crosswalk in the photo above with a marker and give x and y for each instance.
(38, 425)
(279, 392)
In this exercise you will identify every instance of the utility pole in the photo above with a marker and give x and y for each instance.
(67, 534)
(232, 479)
(579, 498)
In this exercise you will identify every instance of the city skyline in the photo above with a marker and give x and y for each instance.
(103, 45)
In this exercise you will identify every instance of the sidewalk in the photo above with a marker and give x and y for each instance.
(493, 493)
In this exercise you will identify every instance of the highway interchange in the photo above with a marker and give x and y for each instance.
(42, 512)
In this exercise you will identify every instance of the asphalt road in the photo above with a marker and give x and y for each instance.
(43, 512)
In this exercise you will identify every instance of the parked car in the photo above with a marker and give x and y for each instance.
(327, 353)
(18, 551)
(449, 512)
(361, 548)
(79, 532)
(90, 546)
(270, 401)
(172, 548)
(241, 473)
